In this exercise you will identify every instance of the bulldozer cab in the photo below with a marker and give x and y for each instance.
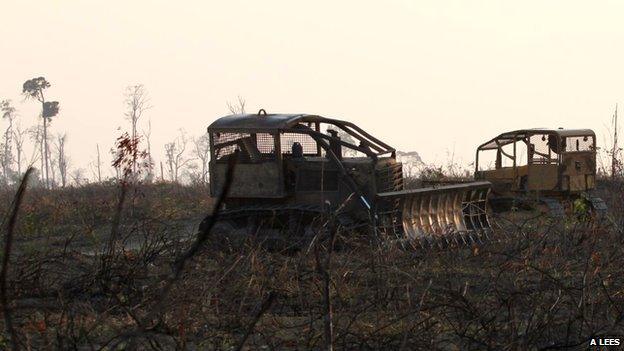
(539, 160)
(294, 157)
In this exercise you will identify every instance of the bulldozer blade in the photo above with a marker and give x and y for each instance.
(444, 214)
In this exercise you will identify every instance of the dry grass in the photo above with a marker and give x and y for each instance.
(538, 286)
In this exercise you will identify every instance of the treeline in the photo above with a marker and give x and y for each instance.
(39, 146)
(12, 154)
(185, 158)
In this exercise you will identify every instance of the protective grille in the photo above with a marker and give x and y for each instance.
(579, 143)
(219, 139)
(306, 141)
(222, 138)
(266, 143)
(255, 146)
(226, 150)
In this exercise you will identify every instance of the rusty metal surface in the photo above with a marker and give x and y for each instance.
(272, 179)
(542, 177)
(578, 171)
(552, 162)
(452, 212)
(262, 122)
(518, 135)
(257, 180)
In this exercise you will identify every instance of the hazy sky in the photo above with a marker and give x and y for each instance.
(426, 76)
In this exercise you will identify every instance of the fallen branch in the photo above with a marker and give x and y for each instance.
(8, 243)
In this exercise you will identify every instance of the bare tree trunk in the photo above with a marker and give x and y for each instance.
(614, 151)
(46, 155)
(148, 134)
(99, 164)
(42, 158)
(6, 159)
(19, 146)
(8, 113)
(203, 172)
(171, 170)
(176, 172)
(62, 159)
(19, 160)
(137, 102)
(134, 166)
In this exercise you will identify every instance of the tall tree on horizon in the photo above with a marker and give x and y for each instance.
(137, 101)
(33, 89)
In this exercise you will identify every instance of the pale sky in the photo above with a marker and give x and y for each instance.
(425, 76)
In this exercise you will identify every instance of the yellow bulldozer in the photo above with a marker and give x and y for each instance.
(552, 169)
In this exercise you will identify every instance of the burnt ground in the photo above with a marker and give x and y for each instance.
(537, 285)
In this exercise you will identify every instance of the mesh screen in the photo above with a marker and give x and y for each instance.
(226, 138)
(265, 143)
(222, 138)
(306, 141)
(582, 143)
(255, 146)
(226, 150)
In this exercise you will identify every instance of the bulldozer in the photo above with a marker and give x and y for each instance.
(553, 170)
(292, 168)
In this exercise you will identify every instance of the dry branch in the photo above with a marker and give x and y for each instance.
(17, 200)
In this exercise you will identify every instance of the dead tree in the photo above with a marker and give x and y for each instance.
(19, 136)
(36, 135)
(174, 152)
(77, 175)
(33, 89)
(99, 164)
(148, 133)
(201, 150)
(238, 107)
(615, 161)
(6, 159)
(62, 160)
(137, 101)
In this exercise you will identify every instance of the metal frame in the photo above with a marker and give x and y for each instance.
(524, 135)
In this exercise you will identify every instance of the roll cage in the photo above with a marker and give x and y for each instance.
(271, 137)
(544, 146)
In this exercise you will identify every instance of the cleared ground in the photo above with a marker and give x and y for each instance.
(538, 285)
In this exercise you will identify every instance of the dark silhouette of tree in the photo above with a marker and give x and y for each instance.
(128, 158)
(33, 89)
